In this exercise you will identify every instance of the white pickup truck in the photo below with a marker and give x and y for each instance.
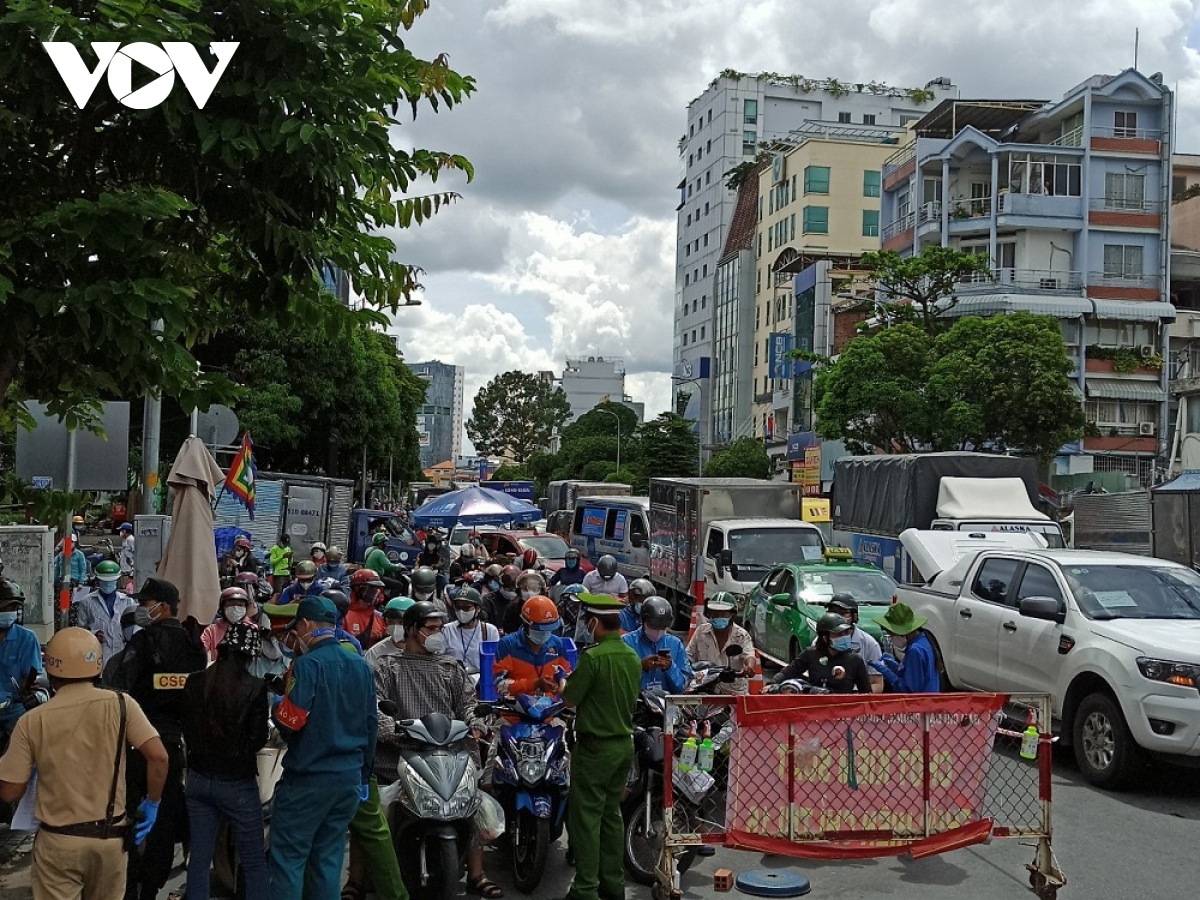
(1114, 638)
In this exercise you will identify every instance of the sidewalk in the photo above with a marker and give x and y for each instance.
(15, 864)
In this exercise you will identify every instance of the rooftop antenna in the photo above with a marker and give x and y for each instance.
(1136, 35)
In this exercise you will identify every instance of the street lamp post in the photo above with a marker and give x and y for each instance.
(609, 412)
(699, 423)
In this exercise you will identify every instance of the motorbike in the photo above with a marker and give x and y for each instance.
(642, 806)
(531, 778)
(435, 800)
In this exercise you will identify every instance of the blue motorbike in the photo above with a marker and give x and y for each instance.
(530, 779)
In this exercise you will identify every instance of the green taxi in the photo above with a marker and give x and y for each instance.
(782, 610)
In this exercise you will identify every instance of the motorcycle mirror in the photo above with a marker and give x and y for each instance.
(389, 708)
(733, 650)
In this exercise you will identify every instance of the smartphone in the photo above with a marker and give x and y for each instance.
(664, 654)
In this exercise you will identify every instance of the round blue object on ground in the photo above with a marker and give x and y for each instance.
(772, 883)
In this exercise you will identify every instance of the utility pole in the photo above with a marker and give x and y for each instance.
(609, 412)
(151, 428)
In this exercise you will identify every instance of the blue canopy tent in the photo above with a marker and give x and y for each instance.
(474, 506)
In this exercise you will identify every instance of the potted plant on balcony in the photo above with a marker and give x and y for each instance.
(960, 212)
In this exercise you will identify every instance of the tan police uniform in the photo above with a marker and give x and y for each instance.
(72, 740)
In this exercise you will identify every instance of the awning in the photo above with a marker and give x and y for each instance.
(1114, 389)
(1133, 310)
(1039, 304)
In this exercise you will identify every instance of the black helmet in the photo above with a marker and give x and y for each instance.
(424, 579)
(338, 599)
(832, 623)
(606, 566)
(657, 613)
(434, 537)
(469, 595)
(572, 553)
(641, 588)
(10, 592)
(416, 614)
(842, 603)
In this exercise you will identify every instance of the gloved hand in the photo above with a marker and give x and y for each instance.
(889, 661)
(147, 815)
(34, 699)
(364, 793)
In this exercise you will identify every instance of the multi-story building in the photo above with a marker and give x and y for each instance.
(1070, 201)
(590, 380)
(727, 125)
(440, 419)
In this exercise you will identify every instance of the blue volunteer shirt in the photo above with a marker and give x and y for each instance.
(674, 680)
(917, 674)
(19, 653)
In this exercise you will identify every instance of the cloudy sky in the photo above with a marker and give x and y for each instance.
(564, 243)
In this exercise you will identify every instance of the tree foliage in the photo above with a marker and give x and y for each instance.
(744, 458)
(112, 218)
(919, 289)
(516, 413)
(1000, 384)
(667, 446)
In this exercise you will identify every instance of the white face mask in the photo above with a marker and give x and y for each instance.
(466, 616)
(528, 595)
(435, 643)
(398, 634)
(234, 614)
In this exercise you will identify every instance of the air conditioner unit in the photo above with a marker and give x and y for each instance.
(1048, 284)
(1146, 428)
(1145, 351)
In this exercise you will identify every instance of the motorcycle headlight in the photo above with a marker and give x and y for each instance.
(420, 798)
(465, 799)
(531, 761)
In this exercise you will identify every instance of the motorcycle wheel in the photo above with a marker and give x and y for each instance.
(530, 849)
(445, 866)
(643, 849)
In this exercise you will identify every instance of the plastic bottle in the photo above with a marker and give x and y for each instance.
(1029, 739)
(723, 736)
(687, 753)
(704, 759)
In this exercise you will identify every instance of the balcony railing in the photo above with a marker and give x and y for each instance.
(1139, 134)
(1073, 138)
(899, 160)
(929, 212)
(972, 208)
(901, 225)
(1126, 204)
(1023, 279)
(1129, 281)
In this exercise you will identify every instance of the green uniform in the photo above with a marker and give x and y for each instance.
(377, 560)
(281, 560)
(603, 689)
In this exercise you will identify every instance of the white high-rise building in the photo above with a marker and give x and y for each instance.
(728, 124)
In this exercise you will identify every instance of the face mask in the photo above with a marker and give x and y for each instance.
(465, 616)
(239, 553)
(537, 638)
(129, 631)
(654, 634)
(572, 563)
(318, 556)
(234, 614)
(899, 643)
(108, 587)
(507, 594)
(637, 607)
(842, 644)
(398, 634)
(142, 617)
(8, 620)
(528, 595)
(720, 624)
(422, 595)
(435, 643)
(494, 585)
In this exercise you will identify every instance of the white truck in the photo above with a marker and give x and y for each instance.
(1112, 637)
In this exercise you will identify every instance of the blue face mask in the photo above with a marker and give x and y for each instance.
(720, 624)
(108, 587)
(842, 644)
(8, 620)
(572, 563)
(494, 585)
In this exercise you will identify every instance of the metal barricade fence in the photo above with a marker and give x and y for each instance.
(847, 776)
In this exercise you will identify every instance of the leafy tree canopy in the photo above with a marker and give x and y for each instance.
(600, 422)
(112, 218)
(516, 413)
(919, 289)
(744, 458)
(667, 446)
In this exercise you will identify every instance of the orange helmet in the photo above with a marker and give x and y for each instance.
(540, 614)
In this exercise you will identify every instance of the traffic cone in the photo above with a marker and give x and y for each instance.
(695, 620)
(756, 680)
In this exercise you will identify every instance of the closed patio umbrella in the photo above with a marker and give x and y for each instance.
(190, 560)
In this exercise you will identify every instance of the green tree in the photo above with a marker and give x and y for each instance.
(510, 473)
(920, 289)
(744, 458)
(600, 422)
(516, 413)
(666, 446)
(112, 218)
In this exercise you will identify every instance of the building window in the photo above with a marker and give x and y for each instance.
(870, 223)
(706, 270)
(708, 144)
(816, 220)
(816, 179)
(706, 239)
(685, 339)
(689, 160)
(687, 278)
(692, 130)
(693, 335)
(750, 112)
(689, 190)
(844, 118)
(705, 211)
(704, 301)
(689, 218)
(771, 239)
(1123, 261)
(687, 251)
(710, 117)
(708, 177)
(871, 183)
(792, 228)
(749, 139)
(1125, 124)
(771, 203)
(1124, 191)
(868, 119)
(759, 254)
(702, 327)
(793, 188)
(761, 200)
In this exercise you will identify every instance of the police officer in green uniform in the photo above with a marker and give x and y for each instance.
(603, 690)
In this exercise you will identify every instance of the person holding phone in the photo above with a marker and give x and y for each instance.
(664, 659)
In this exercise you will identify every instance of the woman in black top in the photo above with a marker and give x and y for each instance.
(830, 663)
(225, 725)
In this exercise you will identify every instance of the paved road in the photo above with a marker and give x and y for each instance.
(1141, 843)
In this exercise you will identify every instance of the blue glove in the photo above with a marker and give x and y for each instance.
(364, 793)
(147, 815)
(889, 661)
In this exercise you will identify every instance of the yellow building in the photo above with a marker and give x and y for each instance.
(819, 200)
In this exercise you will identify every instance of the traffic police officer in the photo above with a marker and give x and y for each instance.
(77, 740)
(603, 689)
(154, 668)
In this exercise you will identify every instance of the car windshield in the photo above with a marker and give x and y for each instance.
(761, 548)
(548, 546)
(865, 587)
(460, 536)
(1135, 592)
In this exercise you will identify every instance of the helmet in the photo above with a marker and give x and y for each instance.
(641, 588)
(395, 607)
(10, 591)
(657, 613)
(572, 589)
(365, 576)
(842, 603)
(379, 538)
(722, 601)
(107, 571)
(606, 566)
(540, 614)
(469, 595)
(316, 545)
(416, 614)
(73, 653)
(832, 623)
(509, 576)
(78, 520)
(233, 595)
(306, 569)
(434, 537)
(338, 599)
(243, 543)
(532, 581)
(245, 579)
(466, 552)
(126, 526)
(493, 572)
(334, 554)
(529, 558)
(424, 580)
(572, 553)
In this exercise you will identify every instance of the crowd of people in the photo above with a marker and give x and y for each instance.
(328, 660)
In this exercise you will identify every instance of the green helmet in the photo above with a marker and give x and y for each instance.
(469, 595)
(107, 571)
(395, 608)
(721, 601)
(424, 580)
(379, 538)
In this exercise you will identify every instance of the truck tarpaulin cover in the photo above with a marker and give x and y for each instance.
(887, 494)
(864, 774)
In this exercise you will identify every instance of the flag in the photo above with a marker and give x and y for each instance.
(242, 474)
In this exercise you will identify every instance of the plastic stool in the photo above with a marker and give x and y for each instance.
(772, 883)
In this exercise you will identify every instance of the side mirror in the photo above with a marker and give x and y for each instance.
(781, 599)
(637, 540)
(389, 708)
(1046, 608)
(733, 650)
(725, 558)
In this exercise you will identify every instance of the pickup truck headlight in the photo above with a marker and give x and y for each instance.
(1182, 674)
